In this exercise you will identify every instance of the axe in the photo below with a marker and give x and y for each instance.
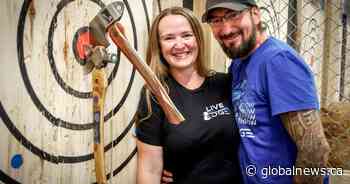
(105, 23)
(96, 58)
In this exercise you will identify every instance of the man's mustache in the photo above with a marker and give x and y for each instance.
(230, 34)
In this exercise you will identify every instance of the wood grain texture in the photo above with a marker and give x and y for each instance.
(99, 85)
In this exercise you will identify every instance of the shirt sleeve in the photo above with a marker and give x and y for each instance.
(290, 84)
(149, 130)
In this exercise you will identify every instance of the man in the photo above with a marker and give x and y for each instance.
(274, 99)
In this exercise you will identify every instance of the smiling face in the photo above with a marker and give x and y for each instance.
(178, 43)
(237, 37)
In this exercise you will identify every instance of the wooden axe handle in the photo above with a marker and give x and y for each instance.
(99, 85)
(171, 112)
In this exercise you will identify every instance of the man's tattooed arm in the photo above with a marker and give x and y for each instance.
(306, 130)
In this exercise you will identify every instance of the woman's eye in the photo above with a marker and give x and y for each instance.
(187, 35)
(167, 38)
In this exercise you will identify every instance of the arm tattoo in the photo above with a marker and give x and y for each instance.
(306, 130)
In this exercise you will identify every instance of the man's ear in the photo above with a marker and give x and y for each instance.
(255, 13)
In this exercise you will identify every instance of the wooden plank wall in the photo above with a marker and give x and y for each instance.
(45, 108)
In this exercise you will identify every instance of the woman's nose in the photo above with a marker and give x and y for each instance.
(179, 43)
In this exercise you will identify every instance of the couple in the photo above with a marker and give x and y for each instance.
(263, 114)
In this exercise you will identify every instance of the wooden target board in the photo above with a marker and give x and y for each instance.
(46, 123)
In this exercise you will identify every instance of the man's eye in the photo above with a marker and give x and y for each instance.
(217, 20)
(231, 15)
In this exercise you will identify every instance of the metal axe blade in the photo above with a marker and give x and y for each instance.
(97, 32)
(106, 17)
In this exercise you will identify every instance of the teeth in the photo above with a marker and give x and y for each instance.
(180, 55)
(234, 35)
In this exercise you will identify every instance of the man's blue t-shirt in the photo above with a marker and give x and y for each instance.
(273, 80)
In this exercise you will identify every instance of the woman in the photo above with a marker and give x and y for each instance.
(203, 148)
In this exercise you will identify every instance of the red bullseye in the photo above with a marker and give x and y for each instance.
(81, 41)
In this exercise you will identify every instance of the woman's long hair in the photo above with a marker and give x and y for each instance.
(154, 56)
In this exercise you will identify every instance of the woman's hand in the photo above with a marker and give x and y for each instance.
(167, 177)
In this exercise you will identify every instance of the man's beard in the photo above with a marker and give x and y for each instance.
(244, 49)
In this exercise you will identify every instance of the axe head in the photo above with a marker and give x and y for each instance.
(106, 17)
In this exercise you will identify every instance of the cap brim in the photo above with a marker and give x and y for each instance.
(228, 5)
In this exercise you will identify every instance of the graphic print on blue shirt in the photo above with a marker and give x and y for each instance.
(244, 110)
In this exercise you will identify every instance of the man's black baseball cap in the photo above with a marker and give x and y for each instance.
(236, 5)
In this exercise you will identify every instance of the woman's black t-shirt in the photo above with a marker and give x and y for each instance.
(203, 148)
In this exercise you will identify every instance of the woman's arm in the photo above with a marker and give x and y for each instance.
(149, 163)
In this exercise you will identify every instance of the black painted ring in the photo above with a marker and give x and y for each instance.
(51, 118)
(68, 89)
(31, 147)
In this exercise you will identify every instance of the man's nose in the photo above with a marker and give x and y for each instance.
(226, 28)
